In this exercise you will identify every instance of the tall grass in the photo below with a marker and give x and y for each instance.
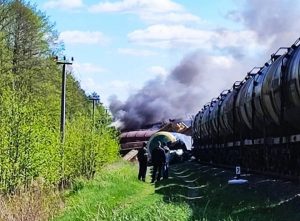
(36, 203)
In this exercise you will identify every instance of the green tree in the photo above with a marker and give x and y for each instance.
(30, 107)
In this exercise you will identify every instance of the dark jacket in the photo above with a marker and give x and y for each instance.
(142, 155)
(158, 156)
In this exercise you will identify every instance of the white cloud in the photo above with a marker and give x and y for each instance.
(157, 6)
(64, 4)
(90, 85)
(222, 61)
(180, 36)
(87, 68)
(117, 84)
(163, 11)
(170, 17)
(83, 37)
(87, 74)
(122, 88)
(136, 52)
(158, 70)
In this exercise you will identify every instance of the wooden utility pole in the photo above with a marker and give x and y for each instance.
(64, 62)
(94, 99)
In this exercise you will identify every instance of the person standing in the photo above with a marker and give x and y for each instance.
(143, 160)
(166, 166)
(158, 161)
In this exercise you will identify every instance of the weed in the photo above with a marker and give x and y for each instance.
(34, 203)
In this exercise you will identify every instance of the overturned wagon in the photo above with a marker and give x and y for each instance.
(179, 144)
(134, 139)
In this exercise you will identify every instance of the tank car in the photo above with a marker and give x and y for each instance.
(256, 124)
(180, 144)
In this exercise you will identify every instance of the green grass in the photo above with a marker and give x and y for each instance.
(116, 194)
(193, 192)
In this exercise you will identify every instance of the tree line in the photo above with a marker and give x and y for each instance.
(30, 89)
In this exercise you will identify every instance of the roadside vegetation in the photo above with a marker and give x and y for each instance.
(34, 164)
(30, 91)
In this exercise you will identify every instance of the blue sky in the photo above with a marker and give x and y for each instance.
(118, 45)
(110, 45)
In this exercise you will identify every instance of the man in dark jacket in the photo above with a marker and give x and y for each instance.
(143, 159)
(158, 160)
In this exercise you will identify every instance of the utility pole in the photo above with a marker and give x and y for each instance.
(94, 99)
(106, 115)
(64, 62)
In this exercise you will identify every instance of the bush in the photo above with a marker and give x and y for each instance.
(30, 92)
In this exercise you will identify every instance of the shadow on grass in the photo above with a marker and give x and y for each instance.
(208, 195)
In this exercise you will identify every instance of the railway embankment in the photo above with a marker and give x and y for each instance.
(193, 192)
(206, 191)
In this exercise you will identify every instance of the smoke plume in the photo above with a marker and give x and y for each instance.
(179, 95)
(199, 76)
(274, 21)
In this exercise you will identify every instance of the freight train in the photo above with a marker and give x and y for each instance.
(256, 124)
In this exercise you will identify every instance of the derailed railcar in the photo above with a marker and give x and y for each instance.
(180, 145)
(256, 124)
(134, 139)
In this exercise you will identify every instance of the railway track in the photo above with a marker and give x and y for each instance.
(206, 190)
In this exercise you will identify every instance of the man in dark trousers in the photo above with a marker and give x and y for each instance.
(158, 160)
(143, 159)
(166, 166)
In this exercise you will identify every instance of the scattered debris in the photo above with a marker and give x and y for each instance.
(131, 155)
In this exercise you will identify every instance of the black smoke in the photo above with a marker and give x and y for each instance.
(199, 76)
(160, 99)
(179, 95)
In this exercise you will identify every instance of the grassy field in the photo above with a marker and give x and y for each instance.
(193, 192)
(116, 194)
